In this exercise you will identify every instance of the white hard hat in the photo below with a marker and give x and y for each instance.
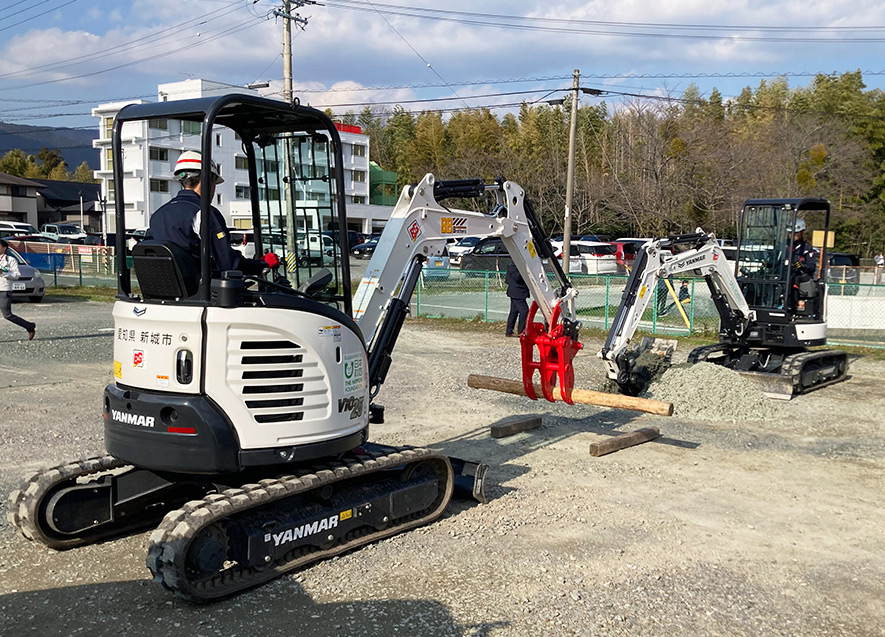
(799, 226)
(192, 161)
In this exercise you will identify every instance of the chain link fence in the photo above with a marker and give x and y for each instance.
(855, 311)
(855, 308)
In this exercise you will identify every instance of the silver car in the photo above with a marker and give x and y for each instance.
(29, 283)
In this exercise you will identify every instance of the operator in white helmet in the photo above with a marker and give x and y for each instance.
(804, 256)
(178, 221)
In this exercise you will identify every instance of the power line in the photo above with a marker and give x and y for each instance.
(149, 39)
(242, 26)
(607, 32)
(651, 25)
(64, 4)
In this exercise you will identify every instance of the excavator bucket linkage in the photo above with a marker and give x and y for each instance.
(555, 352)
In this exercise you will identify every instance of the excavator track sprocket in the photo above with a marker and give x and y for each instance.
(231, 541)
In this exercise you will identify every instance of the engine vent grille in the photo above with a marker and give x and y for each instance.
(263, 372)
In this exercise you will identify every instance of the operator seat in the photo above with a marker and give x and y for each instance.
(164, 270)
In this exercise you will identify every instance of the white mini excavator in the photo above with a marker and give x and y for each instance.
(238, 422)
(770, 314)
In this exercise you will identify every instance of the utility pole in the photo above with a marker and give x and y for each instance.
(288, 19)
(570, 176)
(287, 53)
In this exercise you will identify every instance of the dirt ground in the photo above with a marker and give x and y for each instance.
(766, 524)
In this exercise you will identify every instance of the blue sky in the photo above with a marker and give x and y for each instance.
(62, 57)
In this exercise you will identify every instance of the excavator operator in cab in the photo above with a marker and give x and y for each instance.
(178, 221)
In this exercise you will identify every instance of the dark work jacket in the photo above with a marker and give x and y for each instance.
(806, 256)
(516, 287)
(174, 222)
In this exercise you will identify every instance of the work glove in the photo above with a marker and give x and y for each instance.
(271, 259)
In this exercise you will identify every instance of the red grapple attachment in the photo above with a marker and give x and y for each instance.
(555, 351)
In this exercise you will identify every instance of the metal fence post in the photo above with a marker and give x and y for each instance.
(418, 300)
(80, 268)
(608, 285)
(487, 298)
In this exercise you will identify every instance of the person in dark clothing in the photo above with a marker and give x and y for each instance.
(518, 292)
(804, 255)
(804, 262)
(178, 221)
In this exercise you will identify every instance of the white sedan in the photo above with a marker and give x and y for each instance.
(589, 257)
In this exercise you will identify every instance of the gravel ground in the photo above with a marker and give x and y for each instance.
(748, 517)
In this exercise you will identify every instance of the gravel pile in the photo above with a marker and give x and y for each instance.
(712, 392)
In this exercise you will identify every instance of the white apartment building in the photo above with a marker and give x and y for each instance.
(150, 150)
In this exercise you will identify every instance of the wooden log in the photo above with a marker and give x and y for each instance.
(515, 426)
(582, 396)
(623, 441)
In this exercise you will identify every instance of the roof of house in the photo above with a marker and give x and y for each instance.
(67, 191)
(12, 180)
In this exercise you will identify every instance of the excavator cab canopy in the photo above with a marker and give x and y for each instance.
(291, 159)
(767, 236)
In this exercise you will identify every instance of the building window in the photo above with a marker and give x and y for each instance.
(109, 158)
(218, 139)
(316, 196)
(359, 150)
(158, 124)
(110, 190)
(159, 154)
(357, 199)
(241, 163)
(243, 192)
(359, 175)
(108, 127)
(190, 128)
(159, 185)
(269, 194)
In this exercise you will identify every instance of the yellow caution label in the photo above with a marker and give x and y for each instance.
(220, 235)
(642, 292)
(118, 369)
(345, 515)
(531, 248)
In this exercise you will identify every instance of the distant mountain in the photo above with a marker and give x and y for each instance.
(75, 145)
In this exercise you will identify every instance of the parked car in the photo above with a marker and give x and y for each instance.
(18, 227)
(243, 241)
(462, 247)
(488, 254)
(366, 249)
(604, 238)
(29, 284)
(39, 238)
(437, 267)
(316, 249)
(625, 252)
(107, 240)
(58, 231)
(589, 257)
(843, 268)
(354, 238)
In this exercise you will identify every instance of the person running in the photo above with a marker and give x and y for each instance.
(9, 271)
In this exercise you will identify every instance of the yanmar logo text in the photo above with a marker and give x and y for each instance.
(305, 530)
(132, 419)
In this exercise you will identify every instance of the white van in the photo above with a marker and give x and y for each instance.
(316, 249)
(56, 231)
(18, 227)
